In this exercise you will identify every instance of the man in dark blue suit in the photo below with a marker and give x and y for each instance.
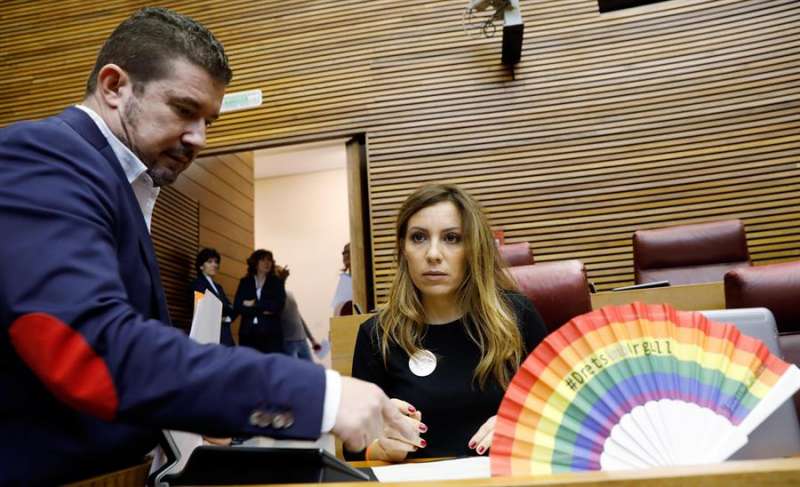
(90, 370)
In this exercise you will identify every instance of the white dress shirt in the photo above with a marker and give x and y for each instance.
(134, 169)
(211, 283)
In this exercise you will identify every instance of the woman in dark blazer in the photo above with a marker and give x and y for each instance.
(207, 264)
(260, 299)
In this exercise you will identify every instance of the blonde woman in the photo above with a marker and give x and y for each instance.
(453, 331)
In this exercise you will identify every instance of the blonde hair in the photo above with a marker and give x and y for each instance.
(488, 317)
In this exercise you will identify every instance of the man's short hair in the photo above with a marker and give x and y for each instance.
(145, 43)
(204, 255)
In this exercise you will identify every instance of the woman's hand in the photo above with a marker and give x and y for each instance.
(391, 447)
(482, 440)
(249, 302)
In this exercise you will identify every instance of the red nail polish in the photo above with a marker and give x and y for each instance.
(480, 450)
(472, 444)
(412, 409)
(423, 428)
(423, 443)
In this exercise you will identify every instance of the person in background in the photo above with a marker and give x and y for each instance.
(91, 370)
(207, 265)
(260, 299)
(296, 334)
(293, 327)
(342, 302)
(346, 258)
(453, 331)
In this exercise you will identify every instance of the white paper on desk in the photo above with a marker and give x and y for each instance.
(207, 322)
(460, 468)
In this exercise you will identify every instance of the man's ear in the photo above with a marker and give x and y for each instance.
(113, 85)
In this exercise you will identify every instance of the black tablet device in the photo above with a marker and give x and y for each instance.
(220, 465)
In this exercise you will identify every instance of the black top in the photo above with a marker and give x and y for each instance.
(265, 334)
(452, 404)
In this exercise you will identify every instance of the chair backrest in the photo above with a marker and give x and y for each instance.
(559, 290)
(779, 434)
(689, 254)
(516, 254)
(790, 346)
(773, 286)
(344, 308)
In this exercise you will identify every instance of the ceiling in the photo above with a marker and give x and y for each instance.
(300, 158)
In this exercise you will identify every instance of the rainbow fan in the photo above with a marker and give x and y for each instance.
(636, 386)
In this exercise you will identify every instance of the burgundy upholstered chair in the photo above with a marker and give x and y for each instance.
(790, 346)
(776, 287)
(559, 290)
(687, 254)
(516, 254)
(773, 286)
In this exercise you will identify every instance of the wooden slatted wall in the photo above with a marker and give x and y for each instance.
(224, 187)
(680, 111)
(175, 231)
(47, 49)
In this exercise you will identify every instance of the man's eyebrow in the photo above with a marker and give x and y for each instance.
(185, 100)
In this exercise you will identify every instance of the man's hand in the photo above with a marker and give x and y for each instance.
(364, 411)
(390, 447)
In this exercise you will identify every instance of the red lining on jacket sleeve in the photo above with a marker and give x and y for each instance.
(66, 364)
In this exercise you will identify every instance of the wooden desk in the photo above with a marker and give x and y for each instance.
(687, 297)
(772, 472)
(130, 477)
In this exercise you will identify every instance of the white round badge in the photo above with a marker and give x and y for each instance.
(422, 363)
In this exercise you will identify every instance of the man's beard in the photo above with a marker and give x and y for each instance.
(161, 176)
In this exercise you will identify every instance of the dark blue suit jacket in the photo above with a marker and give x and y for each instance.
(89, 369)
(201, 286)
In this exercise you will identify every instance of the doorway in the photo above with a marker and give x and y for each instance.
(309, 201)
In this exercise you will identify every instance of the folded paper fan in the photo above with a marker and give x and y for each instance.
(635, 386)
